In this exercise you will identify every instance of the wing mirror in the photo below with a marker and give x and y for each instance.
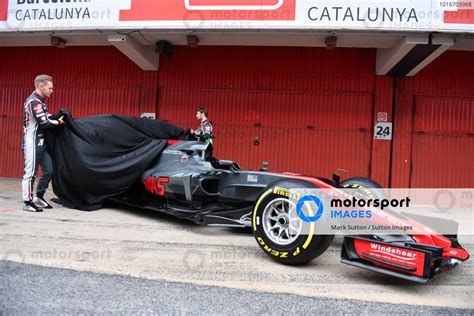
(226, 164)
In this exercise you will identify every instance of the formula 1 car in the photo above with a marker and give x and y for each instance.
(188, 182)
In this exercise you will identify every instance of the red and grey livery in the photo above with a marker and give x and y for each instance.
(188, 182)
(35, 119)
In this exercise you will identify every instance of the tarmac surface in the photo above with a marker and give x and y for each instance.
(32, 290)
(122, 259)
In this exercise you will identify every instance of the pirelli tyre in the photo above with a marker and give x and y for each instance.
(278, 228)
(365, 186)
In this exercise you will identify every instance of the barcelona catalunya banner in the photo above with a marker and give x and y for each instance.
(384, 15)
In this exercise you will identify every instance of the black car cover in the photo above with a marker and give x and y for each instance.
(101, 156)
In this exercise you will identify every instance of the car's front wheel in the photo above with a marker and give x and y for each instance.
(279, 230)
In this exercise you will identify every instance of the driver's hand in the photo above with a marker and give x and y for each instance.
(192, 131)
(61, 120)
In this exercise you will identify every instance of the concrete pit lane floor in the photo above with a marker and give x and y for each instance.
(135, 251)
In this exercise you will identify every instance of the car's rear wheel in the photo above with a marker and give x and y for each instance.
(365, 187)
(279, 230)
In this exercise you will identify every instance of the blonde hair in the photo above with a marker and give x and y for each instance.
(42, 79)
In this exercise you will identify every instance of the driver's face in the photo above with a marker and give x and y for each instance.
(46, 89)
(199, 115)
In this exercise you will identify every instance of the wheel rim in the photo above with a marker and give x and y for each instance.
(281, 222)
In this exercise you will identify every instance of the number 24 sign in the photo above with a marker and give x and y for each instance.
(383, 131)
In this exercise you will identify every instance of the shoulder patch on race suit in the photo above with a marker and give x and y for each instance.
(38, 108)
(208, 128)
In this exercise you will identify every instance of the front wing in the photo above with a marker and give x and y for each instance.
(409, 261)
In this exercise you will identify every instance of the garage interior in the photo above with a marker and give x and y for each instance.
(293, 100)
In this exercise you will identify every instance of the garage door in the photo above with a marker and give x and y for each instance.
(304, 110)
(434, 125)
(93, 80)
(443, 142)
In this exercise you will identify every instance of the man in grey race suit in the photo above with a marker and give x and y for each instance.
(35, 119)
(205, 129)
